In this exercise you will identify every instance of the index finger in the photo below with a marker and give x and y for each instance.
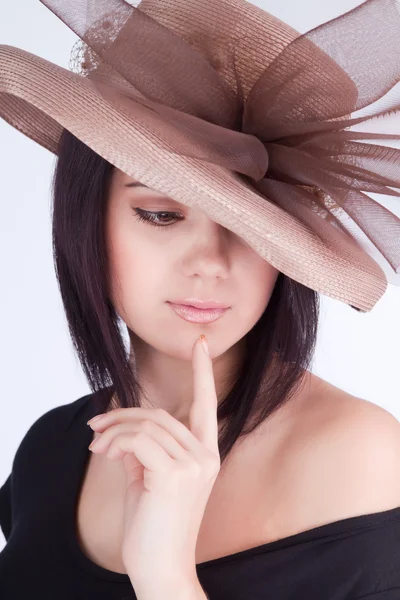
(203, 421)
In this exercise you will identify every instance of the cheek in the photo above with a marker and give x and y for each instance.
(258, 281)
(266, 280)
(136, 278)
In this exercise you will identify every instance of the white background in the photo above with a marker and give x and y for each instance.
(356, 352)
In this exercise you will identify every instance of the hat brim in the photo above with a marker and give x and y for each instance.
(36, 97)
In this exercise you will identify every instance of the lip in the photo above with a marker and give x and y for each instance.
(197, 315)
(204, 304)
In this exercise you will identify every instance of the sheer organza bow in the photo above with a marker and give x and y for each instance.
(278, 110)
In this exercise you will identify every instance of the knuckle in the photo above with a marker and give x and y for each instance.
(161, 411)
(140, 435)
(147, 425)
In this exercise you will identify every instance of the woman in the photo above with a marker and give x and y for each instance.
(297, 494)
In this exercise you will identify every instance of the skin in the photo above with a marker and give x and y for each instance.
(310, 463)
(189, 256)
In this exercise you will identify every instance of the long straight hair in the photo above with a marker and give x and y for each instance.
(279, 348)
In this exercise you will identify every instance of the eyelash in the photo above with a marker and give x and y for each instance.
(151, 216)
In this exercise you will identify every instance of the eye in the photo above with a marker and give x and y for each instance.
(150, 217)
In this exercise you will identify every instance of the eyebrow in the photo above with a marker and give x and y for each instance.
(138, 184)
(135, 184)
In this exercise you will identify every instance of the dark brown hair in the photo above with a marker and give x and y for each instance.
(287, 330)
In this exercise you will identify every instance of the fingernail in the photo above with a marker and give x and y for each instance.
(97, 418)
(204, 343)
(95, 440)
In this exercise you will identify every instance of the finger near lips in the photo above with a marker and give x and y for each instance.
(119, 425)
(203, 421)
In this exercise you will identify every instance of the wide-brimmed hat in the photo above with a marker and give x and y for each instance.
(224, 107)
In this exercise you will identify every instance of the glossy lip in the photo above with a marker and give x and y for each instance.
(197, 315)
(203, 304)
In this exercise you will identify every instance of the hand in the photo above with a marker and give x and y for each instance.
(171, 470)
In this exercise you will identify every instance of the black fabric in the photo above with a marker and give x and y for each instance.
(353, 559)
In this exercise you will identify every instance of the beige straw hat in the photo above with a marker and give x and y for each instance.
(222, 106)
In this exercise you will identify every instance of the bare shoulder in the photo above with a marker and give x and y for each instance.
(345, 456)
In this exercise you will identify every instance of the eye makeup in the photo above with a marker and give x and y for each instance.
(150, 217)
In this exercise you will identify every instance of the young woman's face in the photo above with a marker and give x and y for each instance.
(175, 256)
